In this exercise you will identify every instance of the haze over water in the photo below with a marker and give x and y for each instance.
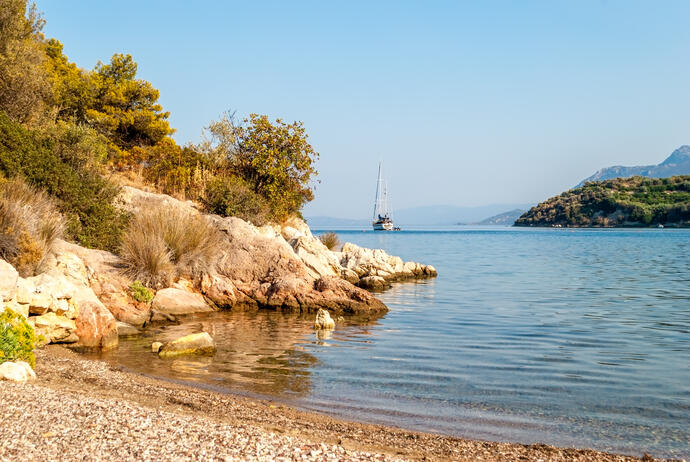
(568, 337)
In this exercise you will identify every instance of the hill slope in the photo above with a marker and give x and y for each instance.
(678, 163)
(503, 219)
(635, 201)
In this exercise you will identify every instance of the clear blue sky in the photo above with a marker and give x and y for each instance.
(467, 103)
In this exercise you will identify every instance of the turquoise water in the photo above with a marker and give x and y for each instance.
(568, 337)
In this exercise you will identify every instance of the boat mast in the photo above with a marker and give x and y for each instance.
(377, 203)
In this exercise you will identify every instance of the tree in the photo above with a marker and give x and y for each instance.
(275, 159)
(124, 108)
(24, 87)
(72, 95)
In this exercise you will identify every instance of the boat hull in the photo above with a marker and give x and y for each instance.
(382, 226)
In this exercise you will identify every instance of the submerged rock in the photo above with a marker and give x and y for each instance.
(177, 301)
(193, 344)
(323, 320)
(16, 371)
(156, 347)
(124, 329)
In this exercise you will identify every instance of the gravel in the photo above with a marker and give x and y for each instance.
(86, 410)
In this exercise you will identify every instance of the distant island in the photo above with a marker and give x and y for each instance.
(501, 219)
(620, 202)
(678, 163)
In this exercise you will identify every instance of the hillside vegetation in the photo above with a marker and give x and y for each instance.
(77, 134)
(630, 202)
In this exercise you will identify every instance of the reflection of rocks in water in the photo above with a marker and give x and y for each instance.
(324, 334)
(196, 366)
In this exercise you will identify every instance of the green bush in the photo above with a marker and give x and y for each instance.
(17, 338)
(62, 161)
(233, 197)
(140, 292)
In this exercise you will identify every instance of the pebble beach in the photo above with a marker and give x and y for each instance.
(82, 409)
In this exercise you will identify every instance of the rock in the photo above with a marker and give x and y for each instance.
(40, 303)
(8, 281)
(193, 344)
(324, 320)
(156, 347)
(55, 328)
(219, 289)
(124, 308)
(373, 283)
(96, 326)
(16, 371)
(25, 290)
(177, 301)
(19, 308)
(124, 329)
(71, 266)
(57, 285)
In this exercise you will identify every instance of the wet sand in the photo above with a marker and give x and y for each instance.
(81, 409)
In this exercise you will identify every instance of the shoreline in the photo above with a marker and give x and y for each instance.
(90, 394)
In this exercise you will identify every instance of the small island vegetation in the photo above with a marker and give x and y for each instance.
(620, 202)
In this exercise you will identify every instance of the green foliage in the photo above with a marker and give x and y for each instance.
(330, 240)
(24, 87)
(233, 197)
(57, 161)
(275, 160)
(17, 338)
(163, 243)
(29, 226)
(140, 292)
(635, 201)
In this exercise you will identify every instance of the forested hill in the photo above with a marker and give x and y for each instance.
(624, 202)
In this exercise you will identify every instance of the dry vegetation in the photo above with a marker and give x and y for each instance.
(330, 240)
(164, 243)
(29, 226)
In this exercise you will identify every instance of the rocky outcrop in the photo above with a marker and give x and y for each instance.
(8, 281)
(16, 371)
(193, 344)
(96, 326)
(177, 301)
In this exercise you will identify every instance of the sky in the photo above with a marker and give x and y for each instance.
(466, 103)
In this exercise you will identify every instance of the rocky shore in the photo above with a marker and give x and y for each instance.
(83, 298)
(79, 409)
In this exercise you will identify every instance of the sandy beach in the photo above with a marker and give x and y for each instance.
(80, 409)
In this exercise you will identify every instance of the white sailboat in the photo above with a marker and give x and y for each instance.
(382, 216)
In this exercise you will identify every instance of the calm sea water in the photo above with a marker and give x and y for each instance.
(574, 338)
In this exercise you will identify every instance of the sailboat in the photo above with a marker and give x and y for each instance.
(382, 216)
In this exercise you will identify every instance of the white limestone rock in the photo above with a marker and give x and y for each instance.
(17, 371)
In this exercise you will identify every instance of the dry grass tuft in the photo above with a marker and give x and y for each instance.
(29, 226)
(165, 242)
(330, 240)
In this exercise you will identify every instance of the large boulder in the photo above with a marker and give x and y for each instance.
(96, 326)
(178, 301)
(193, 344)
(16, 371)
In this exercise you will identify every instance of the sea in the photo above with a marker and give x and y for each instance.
(570, 337)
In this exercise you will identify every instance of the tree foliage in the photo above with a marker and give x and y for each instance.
(24, 87)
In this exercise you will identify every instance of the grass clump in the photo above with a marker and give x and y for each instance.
(29, 226)
(330, 240)
(17, 338)
(140, 292)
(164, 243)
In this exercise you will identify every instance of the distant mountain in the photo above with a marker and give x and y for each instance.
(678, 163)
(503, 219)
(432, 215)
(619, 202)
(321, 222)
(435, 215)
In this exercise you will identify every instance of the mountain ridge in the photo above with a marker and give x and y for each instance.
(678, 163)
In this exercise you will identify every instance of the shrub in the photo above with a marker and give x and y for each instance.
(330, 240)
(54, 161)
(233, 197)
(165, 242)
(29, 226)
(17, 338)
(140, 292)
